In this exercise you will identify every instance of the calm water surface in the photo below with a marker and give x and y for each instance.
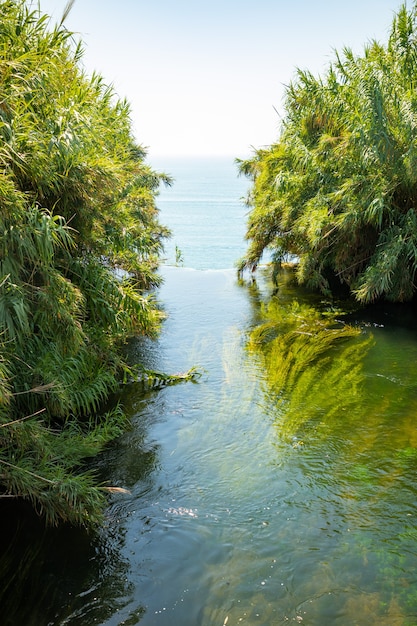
(247, 505)
(205, 211)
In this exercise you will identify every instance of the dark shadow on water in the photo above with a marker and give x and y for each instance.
(43, 570)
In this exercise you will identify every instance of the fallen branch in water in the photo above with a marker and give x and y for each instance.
(152, 379)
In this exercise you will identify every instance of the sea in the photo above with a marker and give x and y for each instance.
(205, 210)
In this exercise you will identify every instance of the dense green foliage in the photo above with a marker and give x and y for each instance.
(312, 363)
(79, 246)
(338, 191)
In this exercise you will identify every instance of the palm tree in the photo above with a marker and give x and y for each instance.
(338, 190)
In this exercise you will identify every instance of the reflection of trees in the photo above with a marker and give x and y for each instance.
(312, 363)
(54, 575)
(349, 413)
(63, 576)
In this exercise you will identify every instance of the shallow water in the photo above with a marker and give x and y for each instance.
(246, 506)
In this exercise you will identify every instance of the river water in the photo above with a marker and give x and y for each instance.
(249, 502)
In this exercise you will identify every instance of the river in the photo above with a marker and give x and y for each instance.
(248, 503)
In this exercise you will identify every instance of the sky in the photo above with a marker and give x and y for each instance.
(208, 77)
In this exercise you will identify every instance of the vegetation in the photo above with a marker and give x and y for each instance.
(312, 365)
(79, 247)
(338, 191)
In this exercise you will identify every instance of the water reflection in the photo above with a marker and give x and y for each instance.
(313, 366)
(344, 401)
(56, 576)
(280, 488)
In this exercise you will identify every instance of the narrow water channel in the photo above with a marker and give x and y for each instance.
(246, 505)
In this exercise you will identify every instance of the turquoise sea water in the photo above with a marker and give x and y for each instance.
(205, 211)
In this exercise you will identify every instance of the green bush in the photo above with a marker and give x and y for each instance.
(338, 191)
(79, 248)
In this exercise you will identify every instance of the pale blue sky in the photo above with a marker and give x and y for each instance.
(206, 77)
